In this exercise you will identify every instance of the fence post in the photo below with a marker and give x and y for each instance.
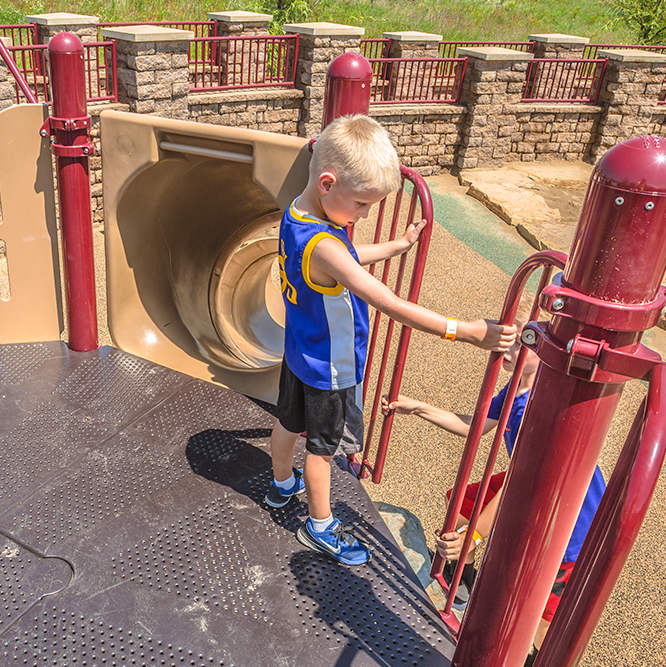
(319, 44)
(494, 80)
(629, 96)
(238, 24)
(70, 125)
(556, 45)
(49, 25)
(7, 92)
(413, 44)
(153, 74)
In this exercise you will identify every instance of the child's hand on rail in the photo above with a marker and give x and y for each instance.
(403, 405)
(487, 334)
(449, 545)
(413, 232)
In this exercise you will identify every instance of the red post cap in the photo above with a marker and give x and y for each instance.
(65, 42)
(351, 66)
(635, 165)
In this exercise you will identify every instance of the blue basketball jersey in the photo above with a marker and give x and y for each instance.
(326, 328)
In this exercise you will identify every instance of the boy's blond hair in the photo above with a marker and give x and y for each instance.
(359, 151)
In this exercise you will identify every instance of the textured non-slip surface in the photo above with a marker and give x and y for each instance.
(133, 532)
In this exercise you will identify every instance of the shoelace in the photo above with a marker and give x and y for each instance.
(345, 534)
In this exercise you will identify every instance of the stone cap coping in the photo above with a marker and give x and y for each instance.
(62, 18)
(412, 36)
(493, 53)
(147, 33)
(632, 55)
(239, 16)
(558, 38)
(324, 29)
(7, 41)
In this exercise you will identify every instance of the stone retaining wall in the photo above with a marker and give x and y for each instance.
(489, 127)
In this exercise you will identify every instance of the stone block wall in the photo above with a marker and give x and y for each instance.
(553, 132)
(425, 136)
(267, 110)
(490, 126)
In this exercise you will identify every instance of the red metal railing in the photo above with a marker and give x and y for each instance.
(545, 260)
(375, 48)
(222, 63)
(100, 66)
(199, 28)
(101, 71)
(30, 60)
(20, 34)
(590, 50)
(407, 277)
(21, 83)
(448, 49)
(564, 80)
(416, 80)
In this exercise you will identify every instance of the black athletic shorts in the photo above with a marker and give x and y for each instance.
(332, 418)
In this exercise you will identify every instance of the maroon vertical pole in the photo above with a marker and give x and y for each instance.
(70, 125)
(610, 293)
(348, 85)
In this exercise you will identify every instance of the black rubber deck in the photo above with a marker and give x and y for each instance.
(133, 532)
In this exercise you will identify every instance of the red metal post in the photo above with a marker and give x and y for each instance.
(615, 268)
(70, 125)
(348, 86)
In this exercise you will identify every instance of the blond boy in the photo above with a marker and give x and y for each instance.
(326, 292)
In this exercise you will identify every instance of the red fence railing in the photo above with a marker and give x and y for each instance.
(563, 80)
(375, 48)
(199, 28)
(20, 34)
(384, 367)
(415, 80)
(590, 50)
(448, 49)
(100, 66)
(222, 63)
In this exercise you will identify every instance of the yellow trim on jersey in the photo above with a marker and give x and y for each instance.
(309, 218)
(305, 265)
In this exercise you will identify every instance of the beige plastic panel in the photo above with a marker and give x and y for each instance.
(30, 308)
(191, 222)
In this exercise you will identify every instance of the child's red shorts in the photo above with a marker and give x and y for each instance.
(564, 573)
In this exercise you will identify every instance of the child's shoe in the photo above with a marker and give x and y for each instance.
(336, 541)
(462, 594)
(277, 497)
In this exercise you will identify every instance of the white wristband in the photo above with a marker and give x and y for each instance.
(451, 328)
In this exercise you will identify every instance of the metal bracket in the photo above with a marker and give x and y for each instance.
(51, 124)
(79, 150)
(588, 359)
(565, 302)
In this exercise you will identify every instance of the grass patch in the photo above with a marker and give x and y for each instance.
(509, 20)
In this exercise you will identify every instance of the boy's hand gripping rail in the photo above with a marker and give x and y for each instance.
(420, 195)
(547, 260)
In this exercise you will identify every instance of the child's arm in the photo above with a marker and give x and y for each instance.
(369, 253)
(449, 421)
(332, 263)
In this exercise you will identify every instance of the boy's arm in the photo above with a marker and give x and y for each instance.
(331, 261)
(449, 421)
(369, 253)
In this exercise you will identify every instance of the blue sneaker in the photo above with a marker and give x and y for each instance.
(277, 497)
(336, 541)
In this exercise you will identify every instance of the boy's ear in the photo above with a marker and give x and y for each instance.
(326, 181)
